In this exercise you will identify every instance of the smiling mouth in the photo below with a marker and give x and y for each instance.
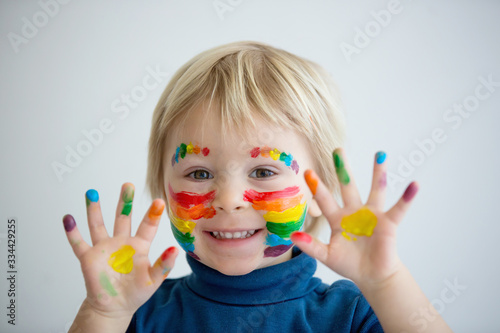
(233, 235)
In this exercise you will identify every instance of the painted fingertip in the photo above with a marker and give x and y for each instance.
(342, 174)
(410, 192)
(91, 196)
(300, 236)
(311, 180)
(156, 209)
(380, 157)
(168, 253)
(69, 223)
(128, 198)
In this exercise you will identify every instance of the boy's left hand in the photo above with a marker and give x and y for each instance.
(367, 260)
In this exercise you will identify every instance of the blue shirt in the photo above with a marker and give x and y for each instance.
(280, 298)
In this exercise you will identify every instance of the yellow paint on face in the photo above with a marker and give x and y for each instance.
(121, 261)
(289, 215)
(360, 223)
(183, 226)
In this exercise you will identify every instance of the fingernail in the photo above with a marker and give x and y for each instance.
(342, 174)
(301, 237)
(156, 209)
(167, 253)
(91, 196)
(410, 192)
(311, 180)
(380, 157)
(127, 197)
(69, 222)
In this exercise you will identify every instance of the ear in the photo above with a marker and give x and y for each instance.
(313, 208)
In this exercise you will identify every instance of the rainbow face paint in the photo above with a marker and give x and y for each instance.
(284, 214)
(184, 149)
(275, 154)
(360, 223)
(127, 197)
(340, 169)
(184, 209)
(121, 261)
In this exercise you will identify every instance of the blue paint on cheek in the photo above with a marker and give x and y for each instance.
(275, 240)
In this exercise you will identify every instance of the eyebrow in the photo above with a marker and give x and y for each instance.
(182, 150)
(275, 154)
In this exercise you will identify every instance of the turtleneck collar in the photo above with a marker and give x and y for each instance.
(288, 280)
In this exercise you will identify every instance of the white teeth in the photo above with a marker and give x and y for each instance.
(229, 235)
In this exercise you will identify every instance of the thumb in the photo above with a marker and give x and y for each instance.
(310, 245)
(164, 264)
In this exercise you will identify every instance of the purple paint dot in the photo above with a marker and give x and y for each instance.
(275, 251)
(69, 223)
(410, 192)
(383, 180)
(193, 255)
(295, 166)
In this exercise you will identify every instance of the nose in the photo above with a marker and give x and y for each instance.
(229, 197)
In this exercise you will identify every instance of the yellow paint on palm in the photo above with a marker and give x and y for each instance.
(292, 214)
(121, 261)
(360, 223)
(184, 226)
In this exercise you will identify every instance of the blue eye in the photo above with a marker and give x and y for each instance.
(262, 173)
(200, 175)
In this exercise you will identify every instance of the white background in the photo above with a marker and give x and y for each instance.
(396, 90)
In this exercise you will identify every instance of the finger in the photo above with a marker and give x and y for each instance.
(350, 194)
(397, 212)
(310, 245)
(164, 264)
(75, 239)
(321, 194)
(379, 182)
(124, 210)
(149, 225)
(94, 216)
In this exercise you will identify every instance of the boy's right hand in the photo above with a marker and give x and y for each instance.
(118, 275)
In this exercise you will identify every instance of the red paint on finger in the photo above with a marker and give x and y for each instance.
(300, 236)
(69, 222)
(311, 180)
(410, 192)
(167, 253)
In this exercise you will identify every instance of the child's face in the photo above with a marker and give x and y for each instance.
(234, 203)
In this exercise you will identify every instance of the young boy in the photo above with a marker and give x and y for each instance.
(235, 138)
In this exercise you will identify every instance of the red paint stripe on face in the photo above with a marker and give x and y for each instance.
(251, 195)
(190, 199)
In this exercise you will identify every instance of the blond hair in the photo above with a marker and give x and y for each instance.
(244, 80)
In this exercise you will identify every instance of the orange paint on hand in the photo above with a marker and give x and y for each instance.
(156, 210)
(311, 180)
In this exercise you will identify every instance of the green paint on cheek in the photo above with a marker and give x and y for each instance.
(106, 284)
(128, 197)
(284, 230)
(340, 169)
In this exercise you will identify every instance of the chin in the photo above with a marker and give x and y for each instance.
(233, 267)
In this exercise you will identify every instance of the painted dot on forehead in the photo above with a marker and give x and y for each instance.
(276, 155)
(183, 150)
